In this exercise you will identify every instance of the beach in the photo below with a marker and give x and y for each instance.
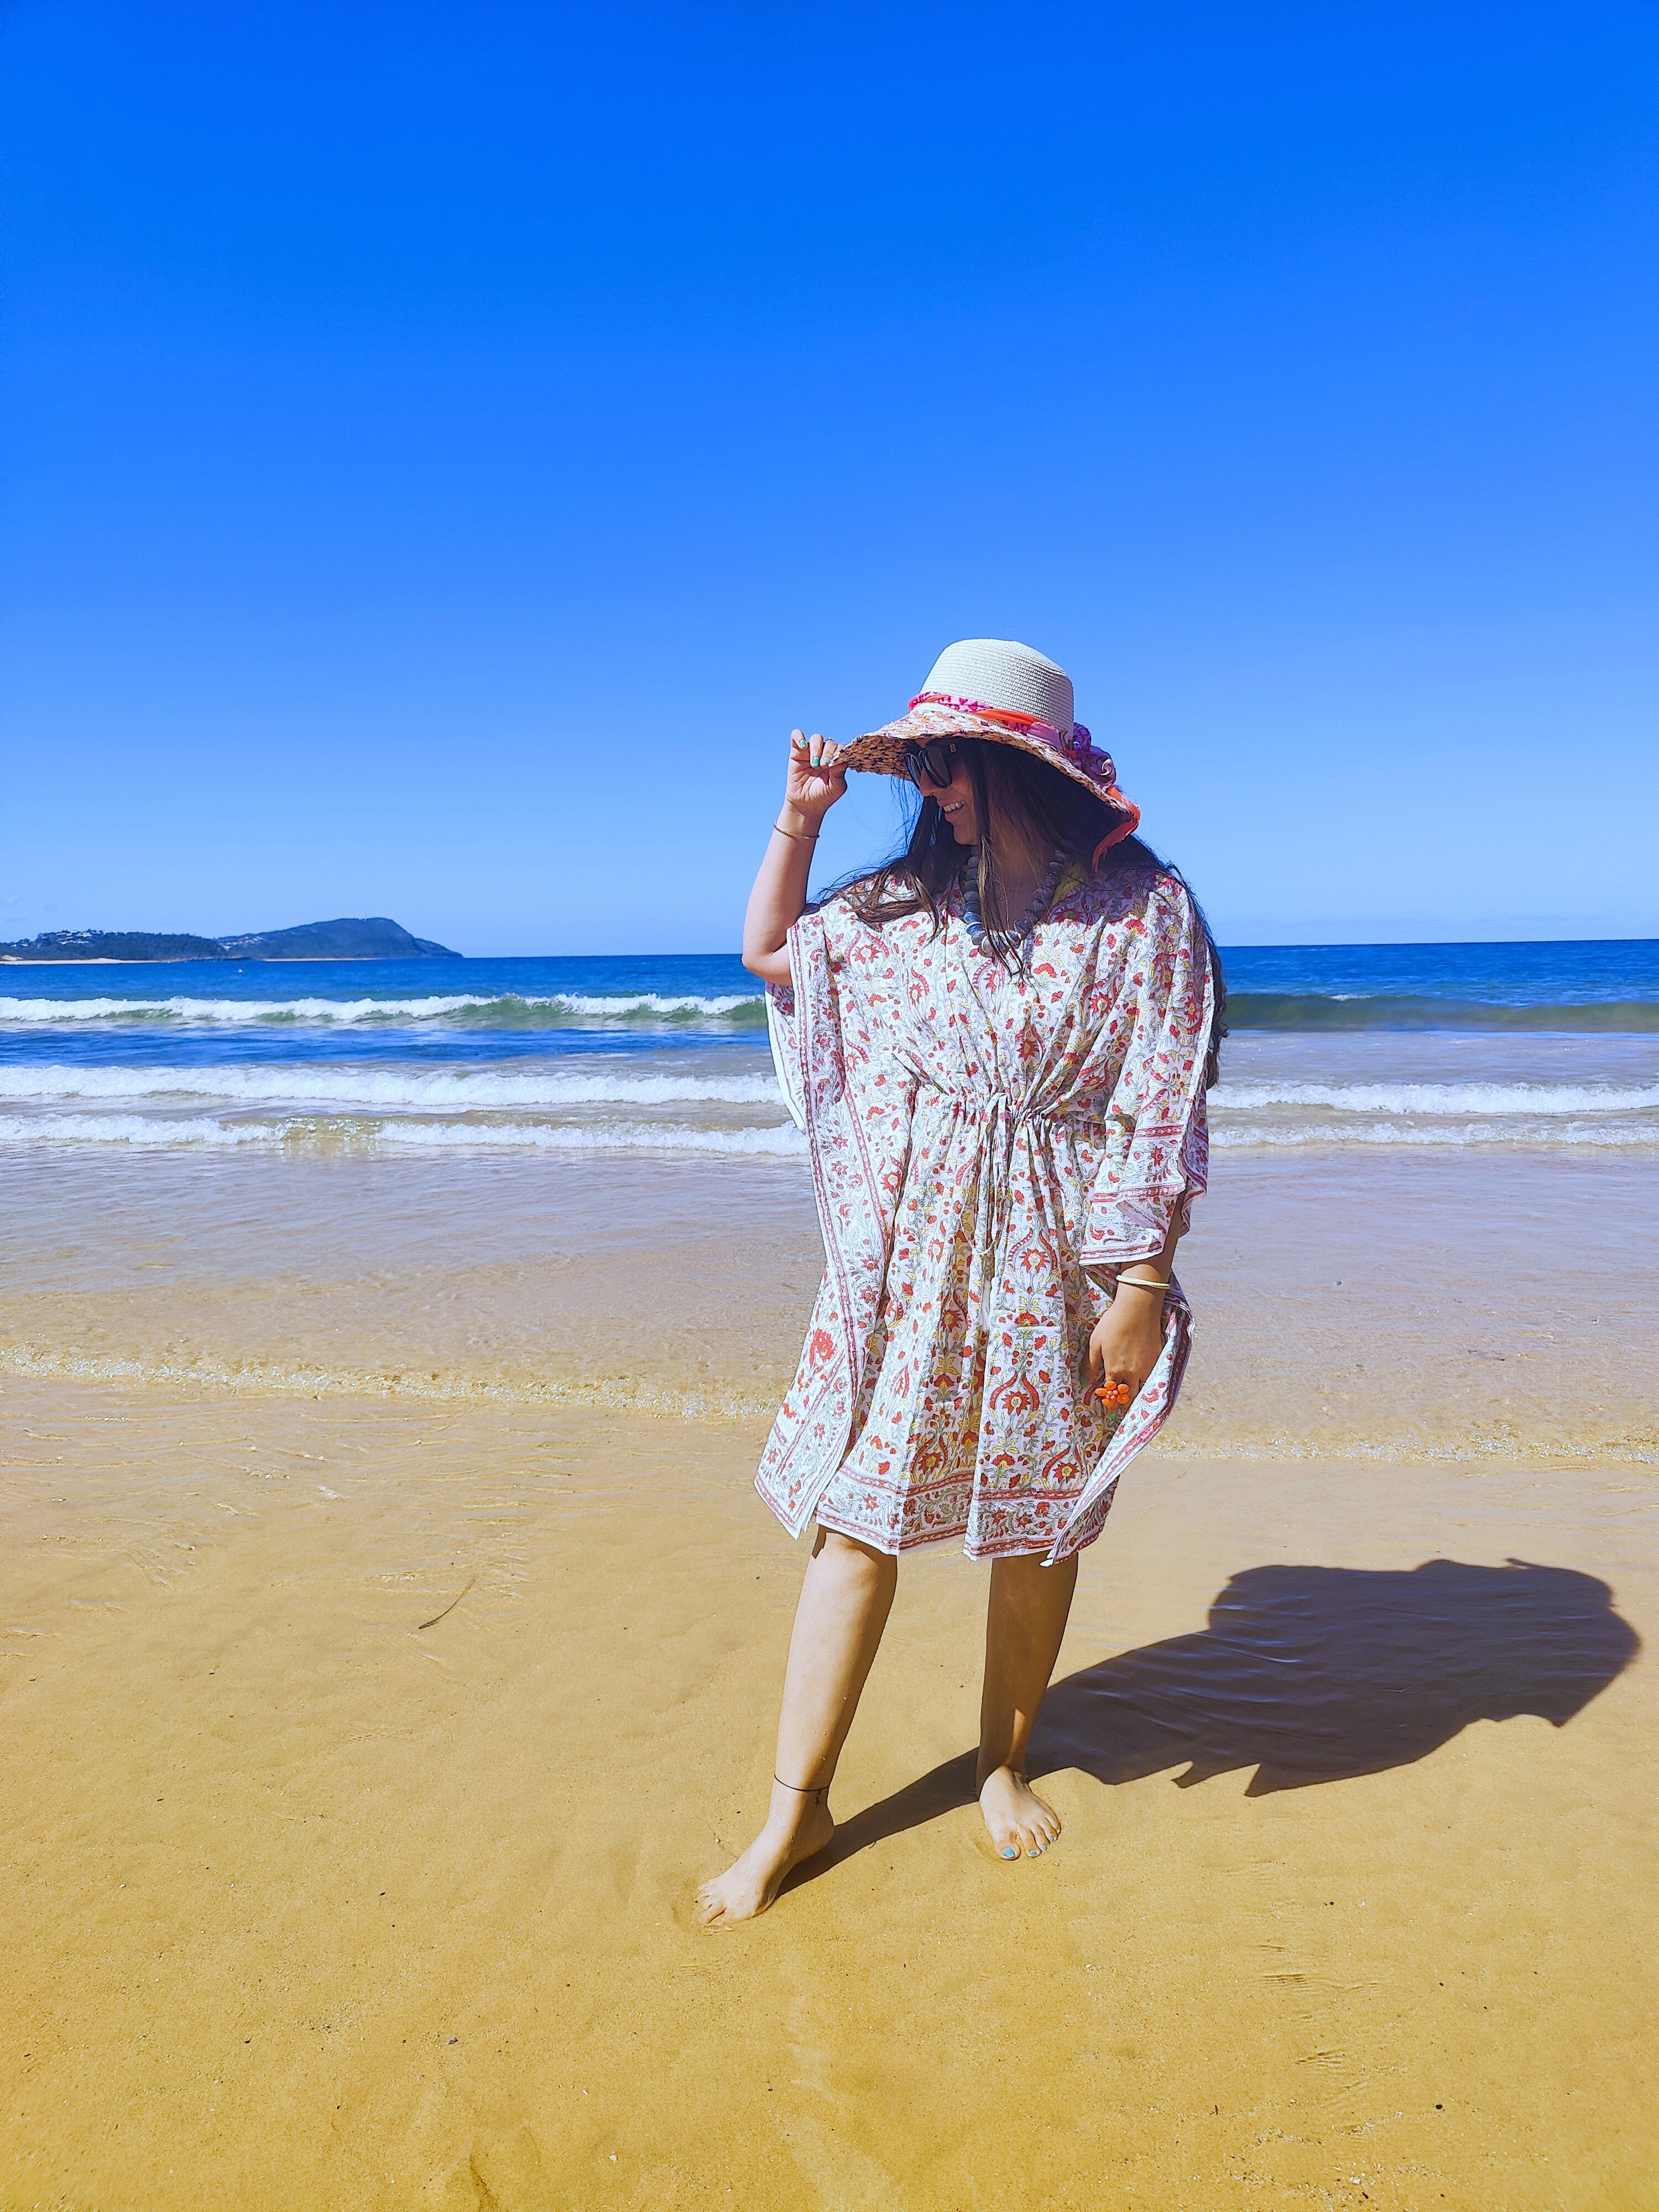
(564, 1012)
(392, 1638)
(313, 1903)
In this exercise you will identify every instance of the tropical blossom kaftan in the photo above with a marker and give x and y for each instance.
(987, 1149)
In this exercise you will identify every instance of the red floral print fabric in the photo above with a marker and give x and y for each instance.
(987, 1150)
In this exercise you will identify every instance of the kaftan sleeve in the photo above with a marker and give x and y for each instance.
(824, 1030)
(832, 1036)
(780, 1028)
(1156, 1157)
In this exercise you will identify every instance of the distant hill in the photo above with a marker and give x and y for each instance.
(377, 939)
(349, 938)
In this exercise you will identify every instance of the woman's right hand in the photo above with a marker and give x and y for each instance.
(814, 781)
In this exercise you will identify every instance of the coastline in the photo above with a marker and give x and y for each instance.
(390, 1635)
(1426, 1308)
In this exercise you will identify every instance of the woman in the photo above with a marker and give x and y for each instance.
(998, 1046)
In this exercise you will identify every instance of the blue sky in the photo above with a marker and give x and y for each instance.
(447, 446)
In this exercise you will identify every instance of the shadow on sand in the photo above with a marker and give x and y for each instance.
(1309, 1674)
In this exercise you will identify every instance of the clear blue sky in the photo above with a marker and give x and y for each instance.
(448, 445)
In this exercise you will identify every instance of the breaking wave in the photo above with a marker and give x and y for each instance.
(1441, 1097)
(1627, 1136)
(439, 1091)
(634, 1010)
(363, 1132)
(149, 1132)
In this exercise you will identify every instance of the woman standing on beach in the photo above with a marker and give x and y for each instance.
(998, 1046)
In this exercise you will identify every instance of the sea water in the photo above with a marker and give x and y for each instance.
(1430, 1231)
(1552, 1045)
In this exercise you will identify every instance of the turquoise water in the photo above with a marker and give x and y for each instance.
(1601, 985)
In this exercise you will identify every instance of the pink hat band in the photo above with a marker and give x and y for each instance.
(1076, 750)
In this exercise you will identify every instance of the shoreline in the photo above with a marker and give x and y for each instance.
(1636, 1445)
(1423, 1308)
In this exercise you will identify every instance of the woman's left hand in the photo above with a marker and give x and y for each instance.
(1126, 1342)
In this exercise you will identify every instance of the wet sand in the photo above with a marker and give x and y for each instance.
(1420, 1306)
(362, 1755)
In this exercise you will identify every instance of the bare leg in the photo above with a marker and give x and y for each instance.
(844, 1604)
(1025, 1622)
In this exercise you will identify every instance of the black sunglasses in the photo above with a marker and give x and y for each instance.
(935, 758)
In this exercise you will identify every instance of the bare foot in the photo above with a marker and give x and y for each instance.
(1017, 1817)
(749, 1885)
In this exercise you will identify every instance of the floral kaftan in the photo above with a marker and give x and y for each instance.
(987, 1149)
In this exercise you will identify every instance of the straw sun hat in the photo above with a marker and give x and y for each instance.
(991, 688)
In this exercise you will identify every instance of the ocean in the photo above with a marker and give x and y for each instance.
(1430, 1231)
(1551, 1045)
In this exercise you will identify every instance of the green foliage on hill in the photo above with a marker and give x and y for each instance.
(355, 937)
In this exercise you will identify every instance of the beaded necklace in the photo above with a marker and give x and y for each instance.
(974, 922)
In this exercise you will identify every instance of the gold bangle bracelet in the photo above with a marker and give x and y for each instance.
(803, 836)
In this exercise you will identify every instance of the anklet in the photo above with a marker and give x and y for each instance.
(822, 1791)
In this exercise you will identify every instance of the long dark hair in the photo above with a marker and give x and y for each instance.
(1047, 810)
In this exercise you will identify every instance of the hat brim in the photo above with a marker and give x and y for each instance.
(881, 752)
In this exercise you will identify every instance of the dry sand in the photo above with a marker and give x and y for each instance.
(321, 1895)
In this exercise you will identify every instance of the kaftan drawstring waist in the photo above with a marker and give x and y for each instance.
(1015, 1114)
(996, 1105)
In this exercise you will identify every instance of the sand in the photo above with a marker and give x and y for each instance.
(360, 1757)
(1414, 1308)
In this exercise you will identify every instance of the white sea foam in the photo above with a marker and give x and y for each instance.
(559, 1006)
(1483, 1098)
(462, 1090)
(134, 1129)
(435, 1089)
(625, 1104)
(650, 1003)
(372, 1132)
(147, 1133)
(1626, 1135)
(780, 1139)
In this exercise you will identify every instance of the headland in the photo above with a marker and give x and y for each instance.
(373, 937)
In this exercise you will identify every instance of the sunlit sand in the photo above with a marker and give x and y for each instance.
(327, 1888)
